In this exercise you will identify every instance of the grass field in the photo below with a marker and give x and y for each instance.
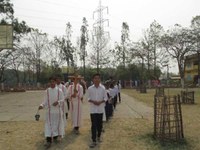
(191, 119)
(121, 133)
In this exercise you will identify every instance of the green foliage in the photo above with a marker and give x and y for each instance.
(66, 49)
(84, 39)
(178, 42)
(48, 71)
(6, 9)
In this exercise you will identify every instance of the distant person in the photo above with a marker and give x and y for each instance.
(54, 126)
(109, 105)
(97, 96)
(112, 94)
(119, 91)
(116, 94)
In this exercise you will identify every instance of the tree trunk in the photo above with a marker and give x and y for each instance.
(17, 76)
(182, 83)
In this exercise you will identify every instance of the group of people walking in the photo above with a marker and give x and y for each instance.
(63, 98)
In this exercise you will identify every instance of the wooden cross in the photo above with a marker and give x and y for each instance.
(76, 77)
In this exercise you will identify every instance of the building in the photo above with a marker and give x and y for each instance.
(192, 68)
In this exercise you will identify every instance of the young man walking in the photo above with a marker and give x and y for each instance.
(97, 96)
(75, 95)
(54, 126)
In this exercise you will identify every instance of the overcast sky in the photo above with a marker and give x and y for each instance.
(51, 16)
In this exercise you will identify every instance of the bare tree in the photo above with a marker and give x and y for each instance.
(37, 43)
(99, 45)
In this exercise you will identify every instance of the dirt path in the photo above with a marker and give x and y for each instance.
(20, 131)
(23, 106)
(131, 108)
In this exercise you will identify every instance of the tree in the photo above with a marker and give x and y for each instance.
(5, 61)
(195, 25)
(16, 62)
(19, 30)
(38, 43)
(178, 42)
(69, 49)
(6, 11)
(100, 54)
(122, 49)
(155, 32)
(146, 44)
(83, 42)
(141, 53)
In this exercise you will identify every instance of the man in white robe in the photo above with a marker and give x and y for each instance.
(54, 126)
(75, 95)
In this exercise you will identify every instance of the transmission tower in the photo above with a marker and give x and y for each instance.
(98, 29)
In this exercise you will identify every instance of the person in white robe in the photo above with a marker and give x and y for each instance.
(64, 105)
(54, 126)
(75, 95)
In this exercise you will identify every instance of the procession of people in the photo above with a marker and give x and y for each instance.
(64, 100)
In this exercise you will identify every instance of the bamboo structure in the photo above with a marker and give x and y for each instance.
(160, 91)
(187, 97)
(168, 123)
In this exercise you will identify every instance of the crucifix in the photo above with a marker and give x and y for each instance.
(75, 79)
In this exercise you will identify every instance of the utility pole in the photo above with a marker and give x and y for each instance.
(98, 30)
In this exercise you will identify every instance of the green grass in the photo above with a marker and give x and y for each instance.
(148, 97)
(190, 115)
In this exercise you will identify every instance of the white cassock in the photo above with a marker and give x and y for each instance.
(75, 104)
(54, 124)
(64, 105)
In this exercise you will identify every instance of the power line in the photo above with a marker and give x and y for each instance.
(47, 12)
(46, 19)
(59, 4)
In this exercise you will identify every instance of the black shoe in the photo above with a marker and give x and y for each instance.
(66, 115)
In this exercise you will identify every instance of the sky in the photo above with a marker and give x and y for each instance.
(51, 16)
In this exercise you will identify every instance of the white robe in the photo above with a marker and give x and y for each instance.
(64, 104)
(54, 125)
(75, 105)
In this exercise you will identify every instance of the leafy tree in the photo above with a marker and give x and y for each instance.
(83, 42)
(195, 25)
(122, 49)
(69, 49)
(155, 32)
(6, 11)
(19, 30)
(5, 62)
(146, 45)
(178, 42)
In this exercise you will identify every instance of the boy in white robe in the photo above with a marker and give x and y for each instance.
(54, 126)
(75, 95)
